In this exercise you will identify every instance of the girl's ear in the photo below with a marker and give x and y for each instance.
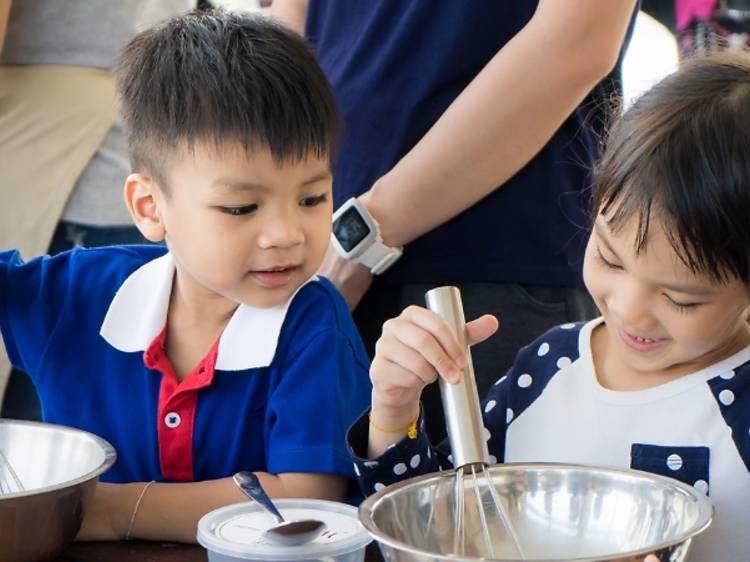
(142, 197)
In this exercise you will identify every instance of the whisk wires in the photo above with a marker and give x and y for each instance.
(504, 518)
(10, 483)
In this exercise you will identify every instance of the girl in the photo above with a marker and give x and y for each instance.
(661, 381)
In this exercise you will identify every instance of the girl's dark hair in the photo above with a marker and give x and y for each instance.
(219, 77)
(681, 155)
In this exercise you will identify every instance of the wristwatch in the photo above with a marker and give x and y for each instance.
(356, 237)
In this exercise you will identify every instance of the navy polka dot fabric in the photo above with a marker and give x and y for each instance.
(732, 392)
(535, 365)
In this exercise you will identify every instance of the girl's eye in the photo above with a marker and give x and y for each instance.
(314, 201)
(238, 211)
(682, 306)
(606, 263)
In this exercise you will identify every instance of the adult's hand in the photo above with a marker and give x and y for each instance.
(351, 279)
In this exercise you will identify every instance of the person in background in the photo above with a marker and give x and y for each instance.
(710, 26)
(661, 381)
(62, 148)
(221, 351)
(662, 11)
(469, 131)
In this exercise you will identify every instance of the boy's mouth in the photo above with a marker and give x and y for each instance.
(274, 277)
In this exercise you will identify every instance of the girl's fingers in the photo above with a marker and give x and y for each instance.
(423, 343)
(426, 333)
(481, 328)
(409, 361)
(436, 326)
(396, 387)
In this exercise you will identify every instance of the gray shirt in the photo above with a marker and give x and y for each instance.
(88, 33)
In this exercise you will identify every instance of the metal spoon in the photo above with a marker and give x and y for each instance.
(286, 533)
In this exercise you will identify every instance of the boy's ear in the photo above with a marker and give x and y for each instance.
(142, 196)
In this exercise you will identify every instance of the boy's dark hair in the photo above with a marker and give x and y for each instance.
(681, 155)
(217, 77)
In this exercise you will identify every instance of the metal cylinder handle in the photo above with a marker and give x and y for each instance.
(463, 415)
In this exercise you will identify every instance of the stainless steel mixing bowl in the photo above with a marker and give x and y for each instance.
(559, 512)
(58, 467)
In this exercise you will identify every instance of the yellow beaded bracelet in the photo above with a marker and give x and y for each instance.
(411, 429)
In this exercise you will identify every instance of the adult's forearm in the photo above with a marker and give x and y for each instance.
(292, 13)
(503, 117)
(4, 15)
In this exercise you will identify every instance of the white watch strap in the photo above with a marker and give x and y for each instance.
(379, 257)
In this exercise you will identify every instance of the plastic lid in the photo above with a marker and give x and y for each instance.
(237, 530)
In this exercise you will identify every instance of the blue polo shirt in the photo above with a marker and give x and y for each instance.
(395, 66)
(275, 393)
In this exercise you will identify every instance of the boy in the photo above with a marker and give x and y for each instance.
(220, 351)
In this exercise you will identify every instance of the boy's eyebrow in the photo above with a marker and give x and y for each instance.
(244, 185)
(677, 287)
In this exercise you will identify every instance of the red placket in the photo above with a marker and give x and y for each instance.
(178, 400)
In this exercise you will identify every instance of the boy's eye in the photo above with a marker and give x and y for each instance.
(682, 306)
(238, 211)
(605, 262)
(313, 201)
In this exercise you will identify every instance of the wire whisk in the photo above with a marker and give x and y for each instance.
(469, 449)
(10, 483)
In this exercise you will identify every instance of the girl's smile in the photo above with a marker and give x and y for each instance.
(641, 344)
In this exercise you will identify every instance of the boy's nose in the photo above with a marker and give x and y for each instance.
(281, 233)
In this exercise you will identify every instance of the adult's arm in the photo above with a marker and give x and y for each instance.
(493, 128)
(293, 13)
(4, 15)
(503, 117)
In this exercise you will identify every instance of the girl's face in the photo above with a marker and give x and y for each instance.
(662, 320)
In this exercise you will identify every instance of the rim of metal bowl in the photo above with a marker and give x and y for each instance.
(110, 455)
(705, 507)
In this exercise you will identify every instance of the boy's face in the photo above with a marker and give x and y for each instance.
(662, 320)
(243, 227)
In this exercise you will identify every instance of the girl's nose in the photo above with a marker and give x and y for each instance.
(631, 306)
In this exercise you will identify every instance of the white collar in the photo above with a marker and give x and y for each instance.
(138, 313)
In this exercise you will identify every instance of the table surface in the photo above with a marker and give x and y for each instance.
(145, 551)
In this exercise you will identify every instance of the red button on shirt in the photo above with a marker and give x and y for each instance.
(176, 409)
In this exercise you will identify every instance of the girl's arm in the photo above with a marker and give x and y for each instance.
(170, 512)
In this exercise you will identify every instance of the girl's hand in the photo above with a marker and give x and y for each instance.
(414, 349)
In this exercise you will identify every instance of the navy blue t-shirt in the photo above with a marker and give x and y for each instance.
(395, 66)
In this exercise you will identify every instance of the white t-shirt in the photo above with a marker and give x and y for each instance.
(693, 429)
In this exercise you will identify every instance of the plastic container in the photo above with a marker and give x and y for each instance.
(235, 533)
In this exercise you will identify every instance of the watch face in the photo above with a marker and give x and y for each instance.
(350, 229)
